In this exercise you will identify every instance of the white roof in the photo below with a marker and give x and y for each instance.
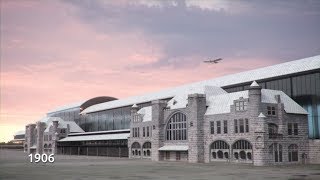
(221, 104)
(291, 67)
(254, 84)
(174, 148)
(63, 124)
(22, 132)
(181, 99)
(290, 106)
(146, 113)
(66, 107)
(261, 115)
(96, 137)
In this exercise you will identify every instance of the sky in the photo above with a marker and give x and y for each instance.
(58, 52)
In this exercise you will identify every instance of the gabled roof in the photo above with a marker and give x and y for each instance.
(291, 67)
(74, 128)
(221, 104)
(146, 113)
(181, 99)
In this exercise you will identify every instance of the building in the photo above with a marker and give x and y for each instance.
(258, 126)
(18, 137)
(109, 124)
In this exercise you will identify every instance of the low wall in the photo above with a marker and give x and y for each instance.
(314, 151)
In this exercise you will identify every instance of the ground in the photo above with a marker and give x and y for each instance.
(15, 164)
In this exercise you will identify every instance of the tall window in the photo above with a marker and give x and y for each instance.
(276, 150)
(247, 125)
(293, 153)
(293, 129)
(148, 132)
(144, 132)
(218, 127)
(212, 127)
(177, 127)
(235, 126)
(241, 126)
(225, 126)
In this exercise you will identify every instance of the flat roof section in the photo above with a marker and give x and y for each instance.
(96, 137)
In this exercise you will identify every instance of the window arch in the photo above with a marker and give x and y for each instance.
(146, 145)
(242, 144)
(177, 127)
(136, 145)
(146, 148)
(220, 150)
(136, 149)
(293, 153)
(242, 151)
(219, 144)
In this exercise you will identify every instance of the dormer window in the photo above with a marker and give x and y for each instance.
(241, 105)
(271, 110)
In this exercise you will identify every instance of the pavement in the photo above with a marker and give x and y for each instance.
(15, 164)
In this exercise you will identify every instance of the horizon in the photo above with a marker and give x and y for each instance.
(56, 52)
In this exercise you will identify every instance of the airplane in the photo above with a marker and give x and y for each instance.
(215, 61)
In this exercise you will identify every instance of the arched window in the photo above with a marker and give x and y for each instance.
(135, 145)
(45, 146)
(242, 149)
(236, 155)
(220, 150)
(226, 155)
(146, 145)
(242, 144)
(177, 127)
(214, 155)
(220, 145)
(220, 154)
(242, 155)
(293, 153)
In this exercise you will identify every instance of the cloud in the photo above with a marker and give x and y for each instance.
(206, 29)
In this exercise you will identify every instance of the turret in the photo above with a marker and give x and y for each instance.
(195, 120)
(254, 98)
(158, 126)
(40, 130)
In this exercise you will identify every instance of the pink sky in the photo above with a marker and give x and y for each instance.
(50, 58)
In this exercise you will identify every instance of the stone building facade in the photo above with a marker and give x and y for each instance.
(258, 126)
(42, 137)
